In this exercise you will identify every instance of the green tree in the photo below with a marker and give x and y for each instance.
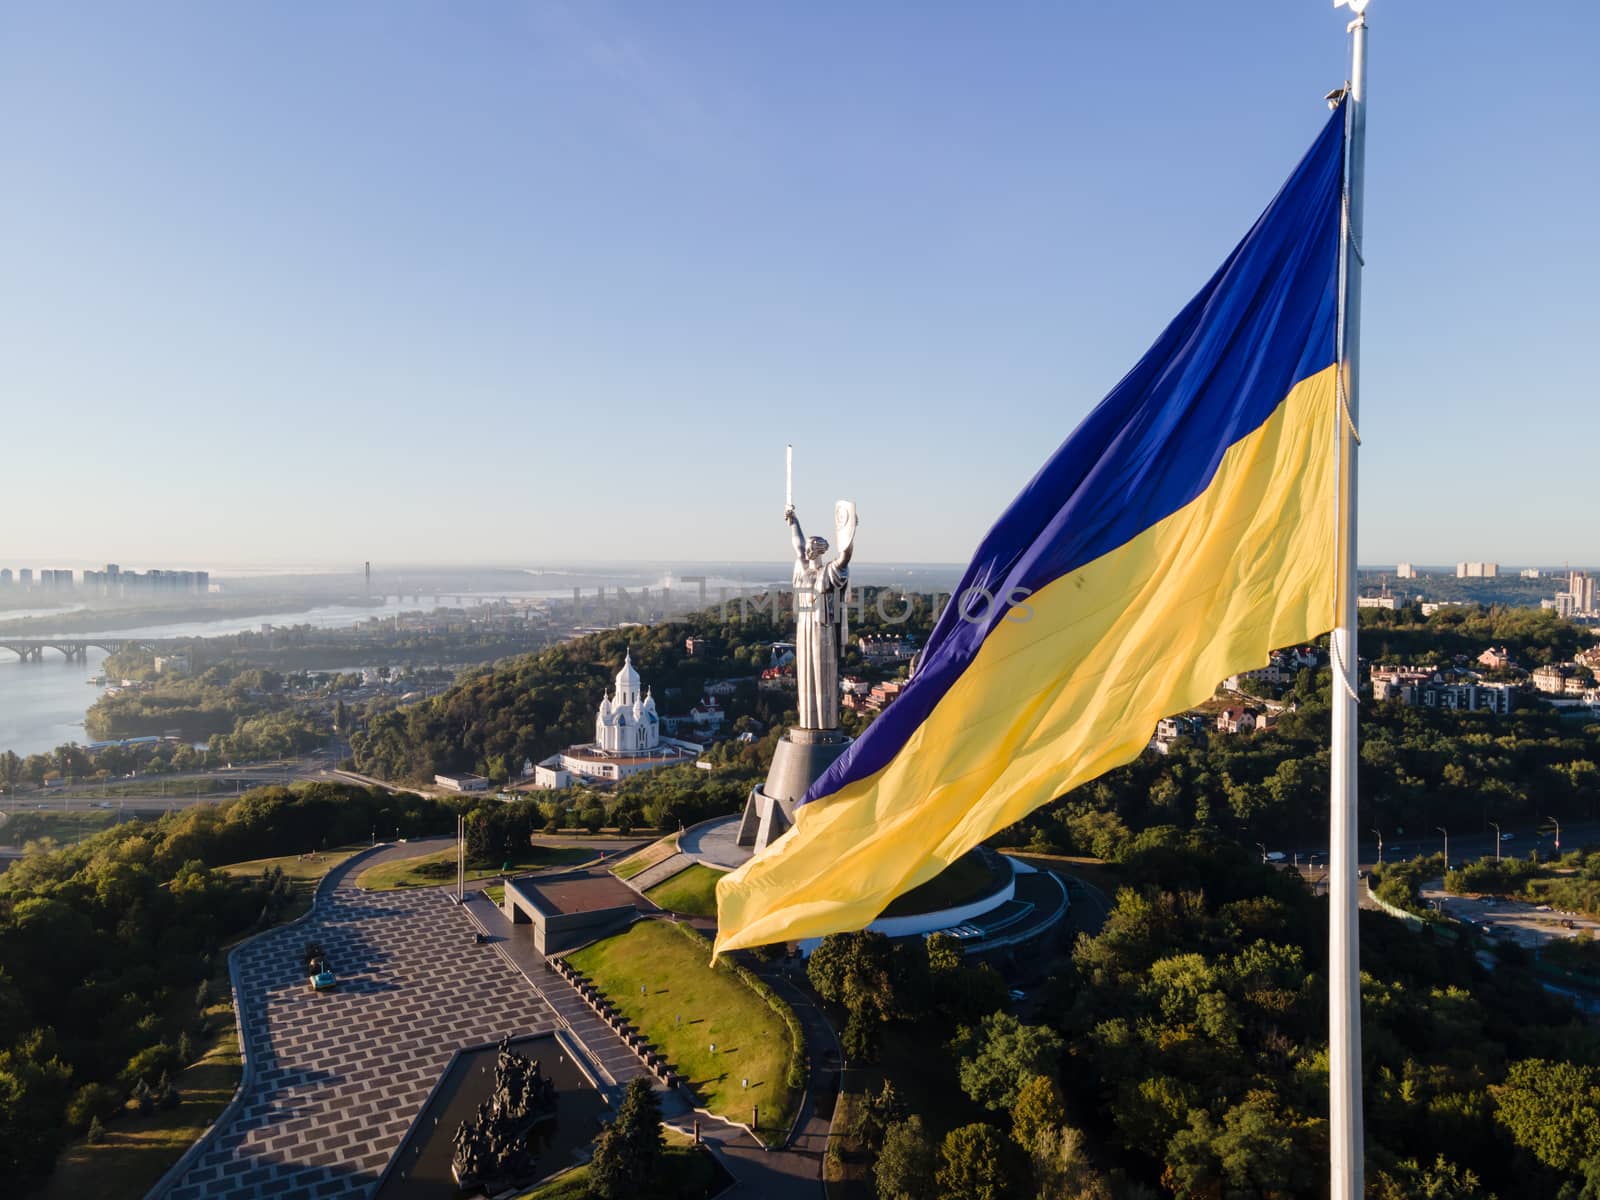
(1000, 1055)
(905, 1166)
(861, 1038)
(627, 1157)
(976, 1163)
(10, 770)
(1552, 1109)
(1038, 1108)
(1444, 1180)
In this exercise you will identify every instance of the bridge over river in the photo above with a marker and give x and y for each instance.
(72, 649)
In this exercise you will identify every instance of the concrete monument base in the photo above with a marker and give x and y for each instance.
(801, 756)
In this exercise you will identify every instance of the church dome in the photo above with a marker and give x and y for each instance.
(627, 678)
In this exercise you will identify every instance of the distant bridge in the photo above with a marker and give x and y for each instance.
(72, 649)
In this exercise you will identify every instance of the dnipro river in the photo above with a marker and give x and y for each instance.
(42, 704)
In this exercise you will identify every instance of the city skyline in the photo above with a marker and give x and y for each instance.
(472, 288)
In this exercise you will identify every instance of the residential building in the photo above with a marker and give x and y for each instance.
(1551, 678)
(1403, 684)
(1495, 658)
(1531, 572)
(1271, 673)
(1236, 720)
(1170, 729)
(707, 715)
(884, 694)
(1477, 570)
(885, 647)
(1469, 697)
(1405, 571)
(1391, 603)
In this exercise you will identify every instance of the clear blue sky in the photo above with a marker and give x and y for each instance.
(530, 282)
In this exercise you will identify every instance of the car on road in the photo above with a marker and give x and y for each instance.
(1542, 908)
(1018, 995)
(1506, 837)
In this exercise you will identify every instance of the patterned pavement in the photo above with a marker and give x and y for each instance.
(339, 1077)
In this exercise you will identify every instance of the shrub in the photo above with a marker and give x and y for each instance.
(93, 1102)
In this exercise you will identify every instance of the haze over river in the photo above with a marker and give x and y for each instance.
(42, 704)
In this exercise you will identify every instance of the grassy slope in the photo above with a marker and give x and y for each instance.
(138, 1149)
(692, 891)
(405, 873)
(716, 1006)
(305, 873)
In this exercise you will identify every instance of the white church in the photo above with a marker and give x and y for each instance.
(627, 740)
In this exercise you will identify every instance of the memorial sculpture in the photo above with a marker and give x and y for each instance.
(492, 1148)
(821, 630)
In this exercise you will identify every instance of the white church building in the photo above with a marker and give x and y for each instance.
(627, 740)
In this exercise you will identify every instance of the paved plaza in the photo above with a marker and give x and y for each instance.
(339, 1076)
(715, 843)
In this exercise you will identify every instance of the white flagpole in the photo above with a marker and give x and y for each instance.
(1344, 951)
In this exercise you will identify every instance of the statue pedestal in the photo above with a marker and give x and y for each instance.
(801, 756)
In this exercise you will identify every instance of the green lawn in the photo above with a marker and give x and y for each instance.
(430, 870)
(138, 1149)
(715, 1005)
(640, 860)
(692, 891)
(496, 893)
(686, 1174)
(305, 872)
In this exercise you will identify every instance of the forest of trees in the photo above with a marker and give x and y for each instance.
(1420, 767)
(532, 706)
(1183, 1051)
(104, 945)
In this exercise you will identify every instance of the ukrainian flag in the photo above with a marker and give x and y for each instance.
(1187, 529)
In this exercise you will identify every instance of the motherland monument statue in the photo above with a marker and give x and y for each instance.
(821, 631)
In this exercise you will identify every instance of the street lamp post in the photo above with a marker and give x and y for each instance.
(1446, 833)
(1379, 835)
(1495, 825)
(1262, 847)
(1557, 824)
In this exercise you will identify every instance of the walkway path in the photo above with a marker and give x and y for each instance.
(515, 944)
(335, 1079)
(660, 872)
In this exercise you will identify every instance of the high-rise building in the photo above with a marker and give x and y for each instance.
(1477, 570)
(1405, 571)
(1581, 587)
